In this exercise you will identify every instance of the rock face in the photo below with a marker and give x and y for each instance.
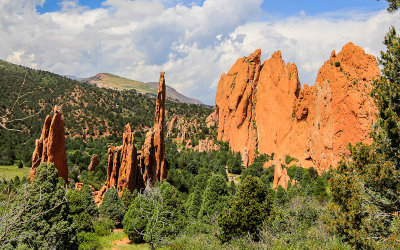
(262, 107)
(50, 147)
(94, 162)
(235, 102)
(122, 169)
(159, 120)
(280, 177)
(132, 169)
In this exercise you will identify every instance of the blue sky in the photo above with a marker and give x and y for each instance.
(282, 8)
(194, 41)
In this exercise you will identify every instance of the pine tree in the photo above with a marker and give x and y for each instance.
(112, 206)
(43, 219)
(215, 197)
(250, 208)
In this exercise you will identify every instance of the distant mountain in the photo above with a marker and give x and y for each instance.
(73, 77)
(110, 81)
(175, 95)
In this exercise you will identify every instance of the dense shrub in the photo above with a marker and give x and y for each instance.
(112, 206)
(250, 208)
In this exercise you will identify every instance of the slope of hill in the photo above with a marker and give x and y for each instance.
(110, 81)
(89, 111)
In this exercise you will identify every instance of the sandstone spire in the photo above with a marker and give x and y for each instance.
(132, 169)
(50, 147)
(159, 120)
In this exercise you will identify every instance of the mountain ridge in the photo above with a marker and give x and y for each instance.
(111, 81)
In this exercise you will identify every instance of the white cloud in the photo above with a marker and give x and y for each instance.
(194, 44)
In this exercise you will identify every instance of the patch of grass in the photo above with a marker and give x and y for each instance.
(107, 242)
(124, 83)
(9, 172)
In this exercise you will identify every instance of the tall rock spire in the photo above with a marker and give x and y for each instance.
(159, 119)
(50, 147)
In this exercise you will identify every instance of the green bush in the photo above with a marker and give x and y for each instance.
(112, 206)
(249, 210)
(44, 220)
(83, 222)
(88, 241)
(134, 222)
(104, 227)
(215, 197)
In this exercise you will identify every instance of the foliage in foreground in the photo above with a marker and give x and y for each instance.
(39, 216)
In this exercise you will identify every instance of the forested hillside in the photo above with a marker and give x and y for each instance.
(89, 111)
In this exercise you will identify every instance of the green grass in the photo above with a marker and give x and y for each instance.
(9, 172)
(106, 242)
(124, 83)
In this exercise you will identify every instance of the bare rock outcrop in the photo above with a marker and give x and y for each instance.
(280, 177)
(94, 162)
(234, 105)
(50, 147)
(131, 168)
(159, 120)
(212, 120)
(262, 107)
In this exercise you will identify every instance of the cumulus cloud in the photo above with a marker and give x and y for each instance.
(193, 42)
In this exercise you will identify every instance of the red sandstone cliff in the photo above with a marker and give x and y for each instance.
(263, 107)
(50, 147)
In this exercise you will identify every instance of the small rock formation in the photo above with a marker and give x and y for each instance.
(132, 169)
(50, 147)
(262, 107)
(206, 145)
(78, 186)
(280, 177)
(94, 162)
(211, 120)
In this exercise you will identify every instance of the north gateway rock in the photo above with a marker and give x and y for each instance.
(263, 107)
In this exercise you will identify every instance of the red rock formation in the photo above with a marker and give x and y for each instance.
(159, 120)
(280, 177)
(50, 147)
(267, 109)
(206, 145)
(128, 171)
(234, 105)
(211, 120)
(131, 169)
(94, 162)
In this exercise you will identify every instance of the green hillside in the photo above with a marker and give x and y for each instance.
(89, 111)
(112, 81)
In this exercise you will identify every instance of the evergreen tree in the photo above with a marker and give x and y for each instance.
(112, 206)
(88, 201)
(156, 214)
(128, 198)
(43, 219)
(249, 210)
(194, 203)
(215, 197)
